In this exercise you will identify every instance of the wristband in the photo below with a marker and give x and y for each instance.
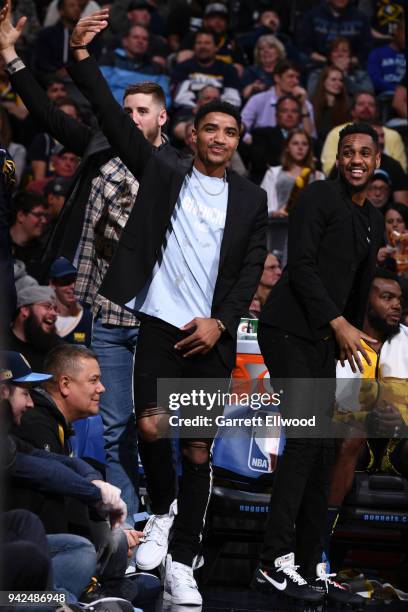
(306, 115)
(73, 47)
(15, 65)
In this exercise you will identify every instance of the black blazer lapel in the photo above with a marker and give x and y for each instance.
(234, 189)
(349, 203)
(376, 238)
(183, 168)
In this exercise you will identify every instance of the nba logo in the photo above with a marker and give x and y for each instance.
(264, 446)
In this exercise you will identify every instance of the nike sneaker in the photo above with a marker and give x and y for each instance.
(284, 578)
(334, 592)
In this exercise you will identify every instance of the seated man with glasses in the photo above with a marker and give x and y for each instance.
(28, 224)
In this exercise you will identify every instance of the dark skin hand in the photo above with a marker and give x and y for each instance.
(349, 340)
(204, 335)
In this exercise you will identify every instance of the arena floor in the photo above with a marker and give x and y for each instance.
(244, 600)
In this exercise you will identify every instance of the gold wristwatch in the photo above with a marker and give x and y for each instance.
(221, 325)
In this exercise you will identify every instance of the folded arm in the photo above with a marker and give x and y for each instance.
(51, 476)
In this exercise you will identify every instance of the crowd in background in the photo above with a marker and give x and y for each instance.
(297, 70)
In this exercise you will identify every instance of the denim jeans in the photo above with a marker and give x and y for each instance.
(115, 348)
(73, 564)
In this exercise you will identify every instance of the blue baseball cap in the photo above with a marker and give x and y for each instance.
(382, 175)
(62, 267)
(14, 368)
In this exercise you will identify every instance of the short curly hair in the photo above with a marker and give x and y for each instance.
(217, 106)
(358, 128)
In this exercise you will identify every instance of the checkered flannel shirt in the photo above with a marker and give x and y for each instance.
(112, 195)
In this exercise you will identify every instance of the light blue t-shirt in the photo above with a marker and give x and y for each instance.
(183, 280)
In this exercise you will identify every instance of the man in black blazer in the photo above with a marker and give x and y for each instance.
(188, 261)
(315, 311)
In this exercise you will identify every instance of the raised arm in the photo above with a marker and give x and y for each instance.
(74, 135)
(122, 133)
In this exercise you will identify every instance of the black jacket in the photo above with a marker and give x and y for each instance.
(88, 144)
(44, 426)
(317, 284)
(161, 175)
(34, 355)
(52, 485)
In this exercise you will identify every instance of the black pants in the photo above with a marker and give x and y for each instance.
(298, 507)
(157, 358)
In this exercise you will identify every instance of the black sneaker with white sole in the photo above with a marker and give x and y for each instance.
(335, 593)
(284, 579)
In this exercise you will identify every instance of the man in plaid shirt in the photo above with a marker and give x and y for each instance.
(111, 198)
(115, 330)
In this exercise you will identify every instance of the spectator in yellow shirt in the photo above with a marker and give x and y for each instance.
(364, 109)
(378, 411)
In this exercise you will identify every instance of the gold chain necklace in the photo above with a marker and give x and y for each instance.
(224, 178)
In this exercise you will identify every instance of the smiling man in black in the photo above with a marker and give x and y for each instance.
(315, 312)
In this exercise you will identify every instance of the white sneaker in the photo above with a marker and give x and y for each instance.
(179, 584)
(153, 549)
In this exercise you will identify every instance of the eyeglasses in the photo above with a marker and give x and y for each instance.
(47, 305)
(38, 215)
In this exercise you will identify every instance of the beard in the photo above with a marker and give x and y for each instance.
(386, 330)
(353, 188)
(357, 188)
(152, 133)
(37, 337)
